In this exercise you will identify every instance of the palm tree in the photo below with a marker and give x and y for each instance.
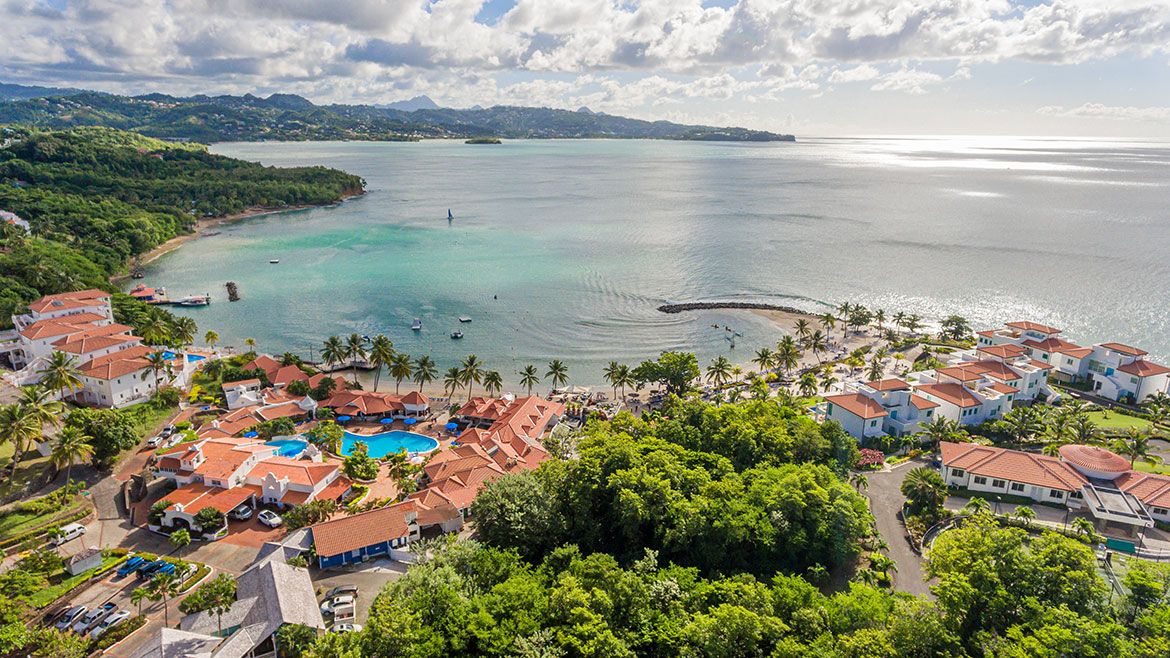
(879, 316)
(827, 380)
(492, 382)
(19, 428)
(719, 371)
(899, 319)
(529, 378)
(1022, 424)
(471, 373)
(164, 586)
(1136, 445)
(829, 322)
(183, 331)
(924, 489)
(558, 373)
(61, 373)
(1026, 514)
(877, 369)
(401, 368)
(1084, 429)
(817, 343)
(808, 384)
(977, 505)
(251, 343)
(139, 595)
(211, 338)
(452, 381)
(333, 351)
(611, 375)
(860, 482)
(940, 429)
(1084, 528)
(802, 329)
(764, 358)
(381, 354)
(625, 377)
(158, 363)
(424, 372)
(38, 402)
(72, 447)
(155, 329)
(355, 350)
(787, 354)
(914, 323)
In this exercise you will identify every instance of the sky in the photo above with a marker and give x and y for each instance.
(810, 67)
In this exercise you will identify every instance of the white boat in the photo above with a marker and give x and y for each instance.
(274, 261)
(416, 325)
(194, 300)
(456, 334)
(464, 318)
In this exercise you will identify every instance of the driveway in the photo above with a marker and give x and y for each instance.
(885, 500)
(370, 578)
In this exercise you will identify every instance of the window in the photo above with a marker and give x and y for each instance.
(1133, 380)
(1016, 486)
(998, 484)
(1055, 494)
(830, 411)
(1068, 361)
(979, 479)
(1161, 510)
(1076, 494)
(929, 413)
(873, 423)
(957, 472)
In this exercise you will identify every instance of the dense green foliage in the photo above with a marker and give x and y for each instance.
(97, 197)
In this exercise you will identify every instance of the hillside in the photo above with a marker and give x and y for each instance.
(289, 117)
(95, 197)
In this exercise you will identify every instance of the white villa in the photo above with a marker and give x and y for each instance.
(112, 361)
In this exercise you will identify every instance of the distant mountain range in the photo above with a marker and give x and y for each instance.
(290, 117)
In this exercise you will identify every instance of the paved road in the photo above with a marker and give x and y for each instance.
(886, 501)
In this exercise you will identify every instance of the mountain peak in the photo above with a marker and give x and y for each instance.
(422, 102)
(585, 110)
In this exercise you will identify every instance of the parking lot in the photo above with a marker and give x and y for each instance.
(369, 578)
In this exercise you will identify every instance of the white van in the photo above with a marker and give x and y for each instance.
(68, 532)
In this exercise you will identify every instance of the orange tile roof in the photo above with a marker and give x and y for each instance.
(858, 405)
(1058, 346)
(287, 374)
(134, 352)
(83, 344)
(196, 497)
(242, 382)
(1150, 488)
(283, 410)
(1124, 349)
(78, 299)
(368, 403)
(953, 393)
(54, 327)
(265, 363)
(1143, 368)
(1094, 458)
(995, 369)
(1025, 467)
(415, 398)
(297, 471)
(335, 489)
(117, 368)
(920, 402)
(1005, 351)
(1040, 364)
(1002, 388)
(890, 384)
(349, 533)
(1033, 326)
(961, 373)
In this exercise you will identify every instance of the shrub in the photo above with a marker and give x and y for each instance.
(869, 458)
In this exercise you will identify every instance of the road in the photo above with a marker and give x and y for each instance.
(886, 499)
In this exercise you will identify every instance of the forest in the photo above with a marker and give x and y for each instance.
(97, 197)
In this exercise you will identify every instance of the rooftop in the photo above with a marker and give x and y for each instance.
(1014, 465)
(859, 405)
(1032, 326)
(1094, 458)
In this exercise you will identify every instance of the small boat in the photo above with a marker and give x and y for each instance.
(194, 300)
(416, 325)
(464, 318)
(456, 334)
(274, 261)
(449, 215)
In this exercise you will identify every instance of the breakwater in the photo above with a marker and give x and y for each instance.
(709, 306)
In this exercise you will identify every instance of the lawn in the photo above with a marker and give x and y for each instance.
(1151, 468)
(44, 597)
(32, 467)
(1111, 420)
(19, 522)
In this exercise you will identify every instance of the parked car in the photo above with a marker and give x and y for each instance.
(341, 589)
(153, 441)
(131, 564)
(109, 622)
(241, 513)
(164, 569)
(53, 615)
(270, 518)
(168, 431)
(330, 606)
(147, 570)
(65, 622)
(346, 628)
(68, 532)
(92, 618)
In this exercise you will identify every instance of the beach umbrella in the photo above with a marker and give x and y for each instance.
(451, 427)
(251, 435)
(342, 419)
(386, 421)
(410, 421)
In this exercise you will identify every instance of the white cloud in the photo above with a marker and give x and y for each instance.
(1157, 114)
(855, 74)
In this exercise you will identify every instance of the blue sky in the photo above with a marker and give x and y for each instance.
(1059, 67)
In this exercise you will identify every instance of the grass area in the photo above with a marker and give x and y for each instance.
(1111, 420)
(22, 521)
(1147, 467)
(51, 593)
(32, 467)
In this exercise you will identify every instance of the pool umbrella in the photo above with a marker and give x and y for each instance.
(410, 421)
(386, 421)
(342, 419)
(452, 426)
(251, 435)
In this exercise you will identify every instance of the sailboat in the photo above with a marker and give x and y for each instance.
(416, 325)
(449, 215)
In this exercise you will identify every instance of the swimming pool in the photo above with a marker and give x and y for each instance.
(191, 358)
(289, 447)
(390, 442)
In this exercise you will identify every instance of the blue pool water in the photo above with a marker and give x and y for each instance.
(289, 447)
(168, 355)
(390, 442)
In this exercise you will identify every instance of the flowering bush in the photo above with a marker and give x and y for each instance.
(870, 458)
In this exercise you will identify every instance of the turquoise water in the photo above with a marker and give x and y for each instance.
(191, 358)
(563, 249)
(388, 443)
(289, 447)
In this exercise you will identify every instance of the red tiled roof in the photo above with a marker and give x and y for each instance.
(920, 402)
(1040, 364)
(1150, 488)
(335, 489)
(288, 374)
(858, 405)
(1002, 388)
(1033, 326)
(50, 328)
(415, 398)
(297, 471)
(1058, 346)
(116, 368)
(84, 344)
(265, 363)
(988, 333)
(1093, 458)
(78, 299)
(1143, 368)
(961, 373)
(349, 533)
(242, 382)
(891, 384)
(369, 403)
(195, 497)
(284, 410)
(995, 369)
(1124, 349)
(1025, 467)
(1005, 351)
(953, 393)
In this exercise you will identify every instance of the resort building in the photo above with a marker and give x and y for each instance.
(1086, 478)
(113, 363)
(880, 407)
(365, 405)
(224, 473)
(384, 532)
(13, 219)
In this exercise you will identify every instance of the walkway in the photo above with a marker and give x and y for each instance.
(886, 499)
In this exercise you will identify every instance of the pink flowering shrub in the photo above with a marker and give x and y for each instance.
(870, 458)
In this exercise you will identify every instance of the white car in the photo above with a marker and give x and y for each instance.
(346, 628)
(345, 600)
(108, 623)
(270, 518)
(153, 441)
(92, 618)
(65, 622)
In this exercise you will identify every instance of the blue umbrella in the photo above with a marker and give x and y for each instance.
(342, 418)
(410, 421)
(251, 435)
(386, 421)
(452, 426)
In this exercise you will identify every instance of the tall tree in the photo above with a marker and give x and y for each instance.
(452, 381)
(381, 354)
(401, 367)
(355, 350)
(424, 372)
(558, 373)
(1136, 445)
(333, 351)
(787, 354)
(802, 329)
(163, 587)
(211, 338)
(18, 428)
(71, 447)
(183, 331)
(529, 378)
(764, 358)
(61, 373)
(611, 375)
(492, 382)
(719, 372)
(471, 373)
(817, 343)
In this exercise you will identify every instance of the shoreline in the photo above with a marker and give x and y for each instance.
(204, 224)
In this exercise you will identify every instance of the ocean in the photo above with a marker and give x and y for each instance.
(564, 249)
